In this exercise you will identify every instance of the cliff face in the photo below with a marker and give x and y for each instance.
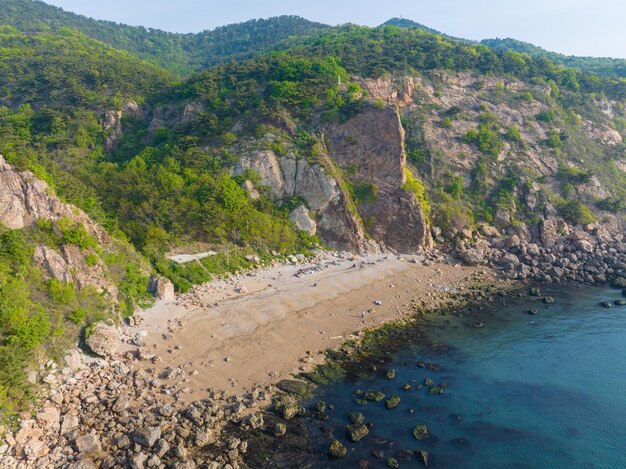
(370, 149)
(24, 200)
(289, 177)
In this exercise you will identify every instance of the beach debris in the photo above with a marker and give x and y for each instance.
(378, 302)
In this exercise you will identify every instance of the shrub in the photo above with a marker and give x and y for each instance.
(61, 292)
(575, 212)
(379, 104)
(416, 187)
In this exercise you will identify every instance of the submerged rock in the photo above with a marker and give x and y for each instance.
(548, 300)
(422, 456)
(420, 432)
(356, 418)
(337, 450)
(374, 396)
(619, 302)
(356, 432)
(392, 402)
(606, 304)
(279, 429)
(393, 463)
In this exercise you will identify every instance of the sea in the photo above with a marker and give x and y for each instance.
(520, 390)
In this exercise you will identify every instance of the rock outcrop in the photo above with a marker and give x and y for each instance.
(289, 177)
(24, 200)
(370, 148)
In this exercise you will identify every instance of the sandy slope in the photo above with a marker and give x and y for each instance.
(232, 335)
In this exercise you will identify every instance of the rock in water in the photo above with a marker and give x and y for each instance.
(337, 450)
(356, 432)
(392, 402)
(420, 432)
(606, 304)
(104, 340)
(422, 456)
(548, 300)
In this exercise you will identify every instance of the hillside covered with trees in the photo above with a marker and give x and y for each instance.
(216, 139)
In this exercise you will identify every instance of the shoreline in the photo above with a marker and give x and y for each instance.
(252, 330)
(153, 395)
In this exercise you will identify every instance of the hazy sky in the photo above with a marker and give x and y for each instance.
(577, 27)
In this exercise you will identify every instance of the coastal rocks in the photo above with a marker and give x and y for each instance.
(337, 450)
(392, 402)
(147, 436)
(104, 340)
(88, 444)
(420, 432)
(423, 457)
(356, 432)
(300, 217)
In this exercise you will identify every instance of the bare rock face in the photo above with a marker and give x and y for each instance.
(371, 144)
(301, 218)
(105, 340)
(24, 199)
(288, 177)
(113, 125)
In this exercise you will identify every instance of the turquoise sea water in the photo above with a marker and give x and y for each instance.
(544, 391)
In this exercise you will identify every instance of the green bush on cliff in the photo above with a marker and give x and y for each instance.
(414, 186)
(575, 212)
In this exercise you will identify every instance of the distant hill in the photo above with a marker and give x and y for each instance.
(176, 52)
(598, 65)
(408, 24)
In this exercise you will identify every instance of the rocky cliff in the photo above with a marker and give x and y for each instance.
(370, 149)
(25, 201)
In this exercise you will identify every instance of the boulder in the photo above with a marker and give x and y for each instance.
(420, 432)
(147, 436)
(356, 432)
(88, 444)
(248, 186)
(49, 419)
(337, 450)
(104, 340)
(162, 288)
(302, 219)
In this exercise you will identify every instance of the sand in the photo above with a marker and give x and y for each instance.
(259, 328)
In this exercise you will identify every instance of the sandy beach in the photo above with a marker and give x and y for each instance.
(260, 327)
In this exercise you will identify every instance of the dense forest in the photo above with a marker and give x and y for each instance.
(180, 53)
(141, 129)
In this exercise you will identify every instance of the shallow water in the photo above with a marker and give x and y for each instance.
(523, 391)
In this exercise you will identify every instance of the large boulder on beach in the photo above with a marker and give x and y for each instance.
(162, 289)
(104, 340)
